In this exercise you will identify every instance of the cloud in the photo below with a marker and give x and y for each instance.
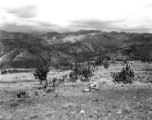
(13, 27)
(137, 29)
(95, 24)
(32, 27)
(27, 11)
(148, 6)
(47, 15)
(115, 25)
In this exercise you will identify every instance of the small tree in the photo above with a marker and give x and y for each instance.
(83, 72)
(74, 74)
(125, 76)
(41, 72)
(106, 64)
(4, 72)
(86, 74)
(101, 59)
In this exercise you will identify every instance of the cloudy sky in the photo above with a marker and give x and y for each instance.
(73, 15)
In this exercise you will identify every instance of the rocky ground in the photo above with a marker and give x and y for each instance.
(68, 102)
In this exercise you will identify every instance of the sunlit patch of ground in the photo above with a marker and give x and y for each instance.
(68, 102)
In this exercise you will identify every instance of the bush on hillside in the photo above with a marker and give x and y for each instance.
(86, 74)
(4, 72)
(83, 73)
(125, 76)
(125, 61)
(106, 64)
(101, 60)
(22, 94)
(41, 73)
(13, 71)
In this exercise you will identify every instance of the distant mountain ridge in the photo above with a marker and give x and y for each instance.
(17, 47)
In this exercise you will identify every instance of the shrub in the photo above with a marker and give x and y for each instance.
(106, 65)
(125, 61)
(54, 82)
(4, 72)
(13, 71)
(108, 58)
(22, 94)
(125, 76)
(84, 73)
(73, 76)
(99, 61)
(41, 73)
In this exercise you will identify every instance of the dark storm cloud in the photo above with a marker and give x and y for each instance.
(26, 11)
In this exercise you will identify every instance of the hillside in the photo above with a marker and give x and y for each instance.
(20, 49)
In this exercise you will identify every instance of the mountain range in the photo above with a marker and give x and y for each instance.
(19, 49)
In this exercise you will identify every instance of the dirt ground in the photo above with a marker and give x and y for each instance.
(68, 102)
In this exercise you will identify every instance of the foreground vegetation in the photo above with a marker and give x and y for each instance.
(23, 98)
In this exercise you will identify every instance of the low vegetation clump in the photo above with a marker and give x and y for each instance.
(4, 72)
(54, 82)
(102, 60)
(125, 61)
(85, 74)
(125, 76)
(22, 94)
(73, 76)
(13, 71)
(106, 64)
(41, 73)
(82, 73)
(99, 61)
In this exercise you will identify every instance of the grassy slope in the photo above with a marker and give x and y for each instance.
(66, 102)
